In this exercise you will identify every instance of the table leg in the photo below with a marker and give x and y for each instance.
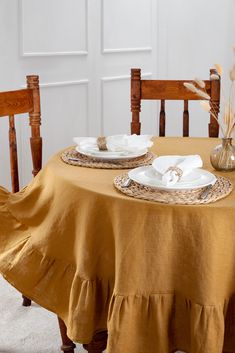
(26, 301)
(98, 343)
(67, 345)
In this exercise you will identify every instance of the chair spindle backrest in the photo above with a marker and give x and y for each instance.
(172, 90)
(19, 102)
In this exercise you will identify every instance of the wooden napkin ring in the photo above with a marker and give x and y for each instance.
(177, 171)
(101, 142)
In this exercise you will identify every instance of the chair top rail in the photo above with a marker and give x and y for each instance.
(16, 102)
(169, 90)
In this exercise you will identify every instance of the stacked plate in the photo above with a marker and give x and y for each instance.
(95, 153)
(198, 187)
(148, 176)
(92, 157)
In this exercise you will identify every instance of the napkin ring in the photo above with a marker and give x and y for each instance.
(177, 170)
(101, 142)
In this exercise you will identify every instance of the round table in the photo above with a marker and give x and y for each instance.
(159, 277)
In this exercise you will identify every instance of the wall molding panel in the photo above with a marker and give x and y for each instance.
(55, 53)
(62, 83)
(39, 53)
(109, 79)
(123, 77)
(130, 49)
(59, 84)
(126, 50)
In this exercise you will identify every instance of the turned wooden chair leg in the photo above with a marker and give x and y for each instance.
(98, 343)
(26, 301)
(67, 345)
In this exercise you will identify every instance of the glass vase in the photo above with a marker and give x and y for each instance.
(223, 156)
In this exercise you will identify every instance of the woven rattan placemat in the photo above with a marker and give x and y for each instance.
(75, 158)
(219, 190)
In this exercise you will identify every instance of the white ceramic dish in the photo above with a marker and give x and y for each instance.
(148, 176)
(94, 152)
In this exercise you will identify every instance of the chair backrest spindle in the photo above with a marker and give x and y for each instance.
(162, 119)
(13, 154)
(185, 119)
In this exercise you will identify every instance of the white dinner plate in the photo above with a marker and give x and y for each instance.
(94, 152)
(148, 176)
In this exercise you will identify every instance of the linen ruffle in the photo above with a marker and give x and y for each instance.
(52, 283)
(167, 322)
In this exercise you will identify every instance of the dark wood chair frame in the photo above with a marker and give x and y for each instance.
(171, 90)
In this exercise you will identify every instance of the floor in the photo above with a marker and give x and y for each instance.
(26, 330)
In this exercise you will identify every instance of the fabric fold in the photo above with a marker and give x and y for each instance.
(53, 283)
(56, 286)
(164, 323)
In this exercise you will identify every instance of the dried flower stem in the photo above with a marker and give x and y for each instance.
(227, 126)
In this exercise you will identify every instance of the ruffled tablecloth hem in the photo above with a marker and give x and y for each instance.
(52, 283)
(83, 321)
(83, 312)
(168, 322)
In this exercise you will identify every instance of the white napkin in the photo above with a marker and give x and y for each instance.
(117, 143)
(185, 163)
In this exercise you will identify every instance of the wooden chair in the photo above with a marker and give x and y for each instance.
(18, 102)
(28, 101)
(171, 90)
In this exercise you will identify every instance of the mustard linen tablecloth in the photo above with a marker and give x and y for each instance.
(159, 277)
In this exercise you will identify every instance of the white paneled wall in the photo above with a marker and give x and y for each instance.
(83, 51)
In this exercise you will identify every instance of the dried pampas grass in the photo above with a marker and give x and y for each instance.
(227, 125)
(190, 87)
(205, 105)
(219, 69)
(232, 73)
(214, 77)
(201, 93)
(200, 83)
